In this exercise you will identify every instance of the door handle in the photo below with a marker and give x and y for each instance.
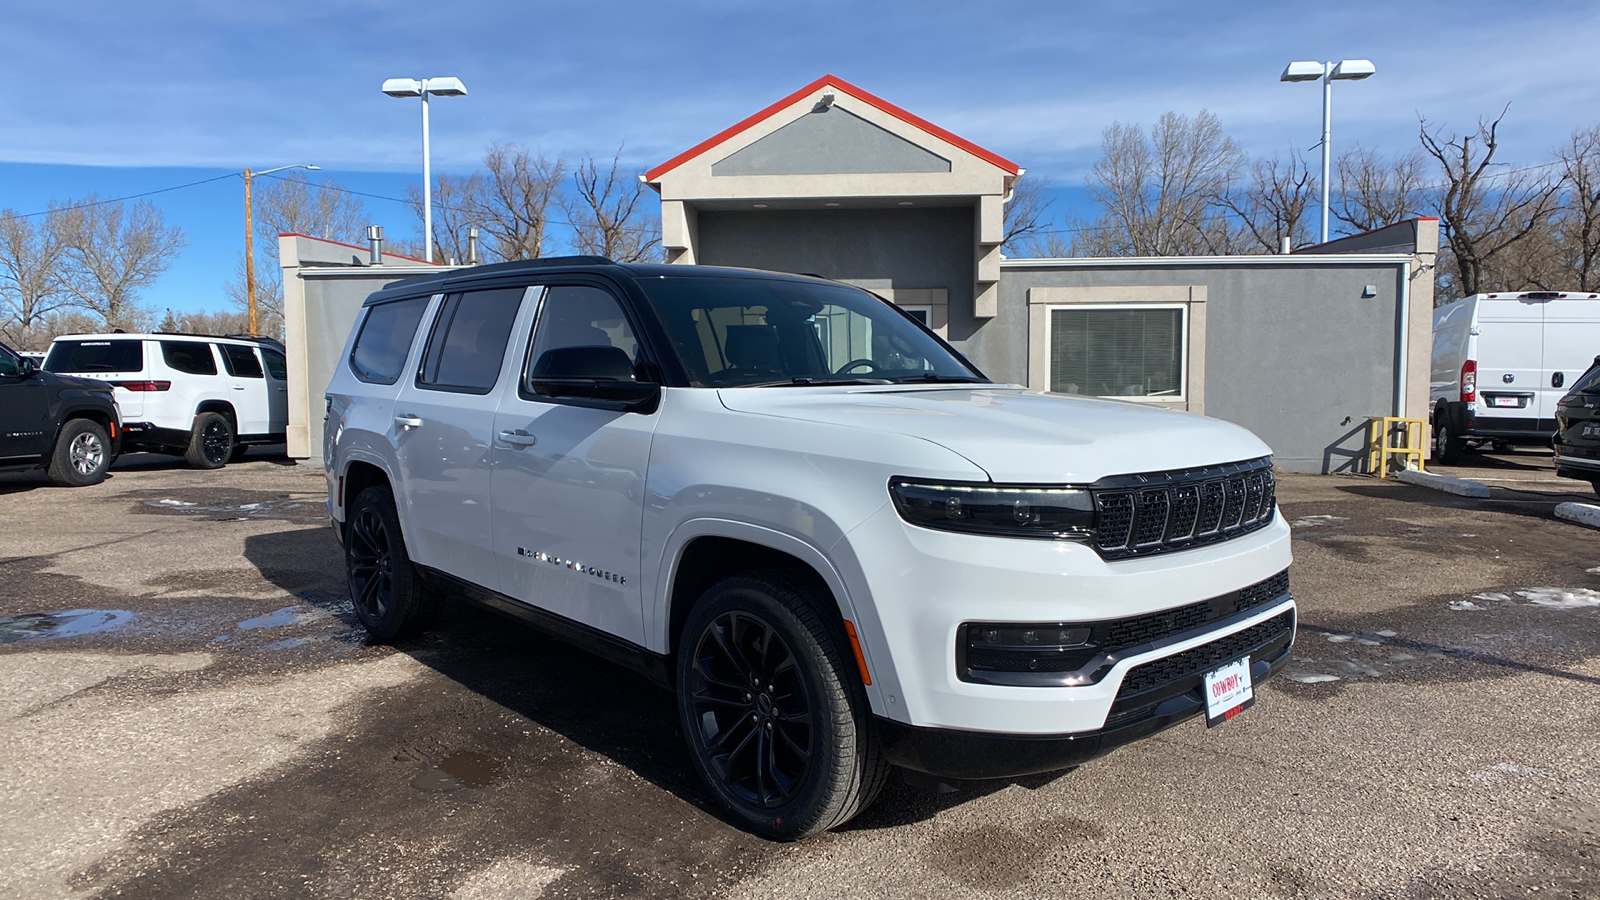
(406, 420)
(1558, 379)
(238, 387)
(518, 438)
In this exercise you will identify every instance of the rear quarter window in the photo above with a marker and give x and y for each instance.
(381, 348)
(189, 357)
(95, 356)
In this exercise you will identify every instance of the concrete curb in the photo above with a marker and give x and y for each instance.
(1582, 513)
(1458, 486)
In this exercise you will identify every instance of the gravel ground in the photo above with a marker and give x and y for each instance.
(191, 711)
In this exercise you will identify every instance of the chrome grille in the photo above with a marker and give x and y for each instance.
(1157, 512)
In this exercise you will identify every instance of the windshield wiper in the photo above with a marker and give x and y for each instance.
(936, 378)
(811, 381)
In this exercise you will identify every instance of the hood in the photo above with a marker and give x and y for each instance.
(1016, 435)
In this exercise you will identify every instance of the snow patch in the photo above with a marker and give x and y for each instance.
(1308, 678)
(1593, 571)
(1493, 597)
(1340, 638)
(1561, 598)
(1315, 521)
(1502, 771)
(170, 502)
(1463, 605)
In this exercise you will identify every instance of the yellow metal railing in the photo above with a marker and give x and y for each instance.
(1393, 436)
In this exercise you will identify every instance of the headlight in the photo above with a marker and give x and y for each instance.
(1049, 513)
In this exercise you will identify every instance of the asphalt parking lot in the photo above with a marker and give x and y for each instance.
(190, 710)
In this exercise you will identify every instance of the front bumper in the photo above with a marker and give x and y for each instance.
(1153, 696)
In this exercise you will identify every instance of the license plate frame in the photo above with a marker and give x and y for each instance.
(1508, 402)
(1228, 690)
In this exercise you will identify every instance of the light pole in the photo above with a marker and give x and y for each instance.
(250, 240)
(413, 87)
(1328, 72)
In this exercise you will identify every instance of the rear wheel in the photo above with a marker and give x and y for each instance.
(82, 454)
(210, 442)
(1447, 447)
(774, 713)
(384, 585)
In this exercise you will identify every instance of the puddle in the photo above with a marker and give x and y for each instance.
(66, 623)
(467, 769)
(278, 618)
(230, 505)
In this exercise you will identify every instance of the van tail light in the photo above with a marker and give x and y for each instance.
(1469, 381)
(143, 386)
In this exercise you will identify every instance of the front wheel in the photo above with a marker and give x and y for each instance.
(81, 456)
(210, 442)
(774, 713)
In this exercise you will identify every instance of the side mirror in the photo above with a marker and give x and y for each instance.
(603, 375)
(26, 367)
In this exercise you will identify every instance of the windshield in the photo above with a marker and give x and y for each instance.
(1588, 382)
(746, 332)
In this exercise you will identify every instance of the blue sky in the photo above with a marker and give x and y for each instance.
(127, 98)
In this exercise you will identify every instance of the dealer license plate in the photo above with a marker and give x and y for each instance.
(1505, 401)
(1228, 692)
(1592, 430)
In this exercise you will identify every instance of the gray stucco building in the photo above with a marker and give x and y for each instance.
(831, 180)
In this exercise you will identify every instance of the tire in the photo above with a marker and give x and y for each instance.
(1447, 447)
(82, 454)
(211, 441)
(773, 709)
(384, 585)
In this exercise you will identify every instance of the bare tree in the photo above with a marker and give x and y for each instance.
(1576, 223)
(1273, 204)
(1028, 221)
(605, 214)
(220, 322)
(518, 192)
(30, 276)
(110, 251)
(1374, 191)
(291, 204)
(1484, 209)
(458, 203)
(1159, 195)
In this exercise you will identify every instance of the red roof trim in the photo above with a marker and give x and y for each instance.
(993, 159)
(352, 246)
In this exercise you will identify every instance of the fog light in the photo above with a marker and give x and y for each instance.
(1049, 647)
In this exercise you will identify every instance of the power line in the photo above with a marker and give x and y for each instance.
(176, 187)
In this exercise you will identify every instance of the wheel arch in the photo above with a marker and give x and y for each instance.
(710, 551)
(218, 406)
(358, 476)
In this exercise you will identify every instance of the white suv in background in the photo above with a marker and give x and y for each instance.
(207, 398)
(794, 505)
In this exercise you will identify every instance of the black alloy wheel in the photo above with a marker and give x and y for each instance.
(384, 587)
(752, 708)
(211, 441)
(773, 708)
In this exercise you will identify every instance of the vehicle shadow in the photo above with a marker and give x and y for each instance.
(602, 707)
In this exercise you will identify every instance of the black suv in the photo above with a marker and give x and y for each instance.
(1578, 429)
(70, 426)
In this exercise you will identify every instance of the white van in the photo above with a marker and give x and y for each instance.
(1502, 361)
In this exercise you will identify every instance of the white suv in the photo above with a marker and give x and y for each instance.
(790, 502)
(207, 398)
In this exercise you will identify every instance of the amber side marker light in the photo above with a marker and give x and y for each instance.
(855, 644)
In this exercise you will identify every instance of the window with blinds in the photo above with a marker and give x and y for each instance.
(1117, 352)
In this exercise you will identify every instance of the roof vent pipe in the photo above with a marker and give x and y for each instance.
(375, 242)
(1285, 249)
(472, 246)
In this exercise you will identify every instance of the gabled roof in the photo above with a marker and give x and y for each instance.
(838, 84)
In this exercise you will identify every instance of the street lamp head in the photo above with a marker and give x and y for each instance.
(402, 87)
(444, 87)
(1353, 70)
(1302, 70)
